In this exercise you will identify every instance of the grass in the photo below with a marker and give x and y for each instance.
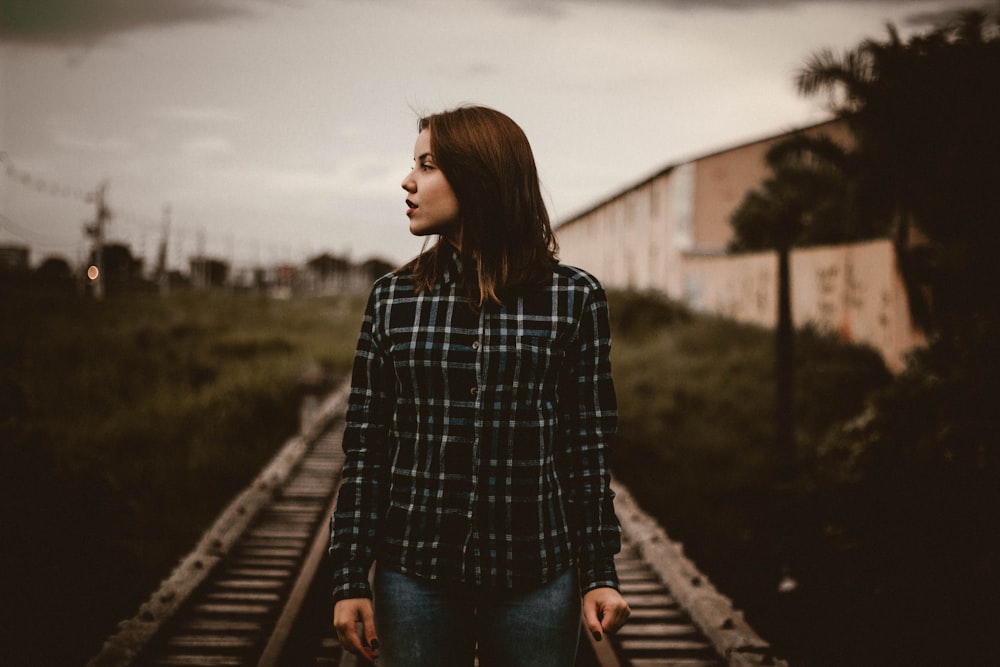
(696, 446)
(126, 425)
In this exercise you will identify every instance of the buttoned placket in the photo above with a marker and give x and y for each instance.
(471, 536)
(474, 391)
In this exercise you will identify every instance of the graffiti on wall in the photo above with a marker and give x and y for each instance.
(848, 291)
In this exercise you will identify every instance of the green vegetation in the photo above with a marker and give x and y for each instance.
(883, 520)
(698, 447)
(901, 501)
(125, 426)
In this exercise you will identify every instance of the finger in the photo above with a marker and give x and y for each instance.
(358, 646)
(347, 633)
(349, 639)
(591, 619)
(615, 616)
(368, 625)
(368, 649)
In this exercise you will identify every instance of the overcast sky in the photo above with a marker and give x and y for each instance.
(277, 130)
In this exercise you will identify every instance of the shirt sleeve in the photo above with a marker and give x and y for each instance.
(588, 409)
(355, 520)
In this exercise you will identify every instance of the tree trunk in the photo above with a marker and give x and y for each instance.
(784, 363)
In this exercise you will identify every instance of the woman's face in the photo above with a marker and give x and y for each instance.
(431, 204)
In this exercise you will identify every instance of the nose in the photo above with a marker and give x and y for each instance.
(408, 183)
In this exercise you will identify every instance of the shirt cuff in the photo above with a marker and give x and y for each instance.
(349, 591)
(599, 575)
(351, 583)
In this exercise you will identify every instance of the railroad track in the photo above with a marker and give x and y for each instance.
(253, 591)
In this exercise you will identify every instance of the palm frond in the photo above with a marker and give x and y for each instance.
(846, 79)
(816, 152)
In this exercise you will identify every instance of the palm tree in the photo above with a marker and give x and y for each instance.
(923, 169)
(924, 114)
(804, 201)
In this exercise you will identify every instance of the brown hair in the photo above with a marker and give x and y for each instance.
(507, 240)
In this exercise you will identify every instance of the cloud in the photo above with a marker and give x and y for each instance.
(944, 16)
(71, 22)
(553, 8)
(76, 23)
(750, 4)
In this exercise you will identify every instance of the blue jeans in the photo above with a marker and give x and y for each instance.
(423, 623)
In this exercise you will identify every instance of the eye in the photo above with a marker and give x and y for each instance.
(426, 166)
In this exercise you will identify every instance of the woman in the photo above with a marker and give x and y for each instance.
(481, 410)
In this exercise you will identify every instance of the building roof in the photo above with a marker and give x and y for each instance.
(670, 167)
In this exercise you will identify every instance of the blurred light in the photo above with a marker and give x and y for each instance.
(93, 272)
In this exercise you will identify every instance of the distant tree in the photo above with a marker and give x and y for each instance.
(326, 265)
(807, 200)
(120, 270)
(54, 272)
(800, 197)
(207, 272)
(375, 268)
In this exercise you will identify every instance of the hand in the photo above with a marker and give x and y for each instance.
(604, 610)
(346, 616)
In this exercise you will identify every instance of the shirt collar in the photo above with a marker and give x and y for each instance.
(453, 265)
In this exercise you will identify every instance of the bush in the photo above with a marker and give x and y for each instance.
(908, 491)
(697, 447)
(638, 314)
(125, 426)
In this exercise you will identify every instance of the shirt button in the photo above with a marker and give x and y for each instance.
(474, 391)
(475, 345)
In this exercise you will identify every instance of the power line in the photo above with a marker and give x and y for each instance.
(42, 184)
(124, 218)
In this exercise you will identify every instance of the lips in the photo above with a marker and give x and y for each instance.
(410, 207)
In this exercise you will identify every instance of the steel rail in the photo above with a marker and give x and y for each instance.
(238, 598)
(234, 580)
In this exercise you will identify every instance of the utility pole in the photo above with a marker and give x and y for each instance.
(95, 230)
(162, 272)
(201, 282)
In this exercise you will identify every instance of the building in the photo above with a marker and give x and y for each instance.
(669, 232)
(14, 258)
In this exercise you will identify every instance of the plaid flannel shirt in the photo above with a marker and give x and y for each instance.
(476, 442)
